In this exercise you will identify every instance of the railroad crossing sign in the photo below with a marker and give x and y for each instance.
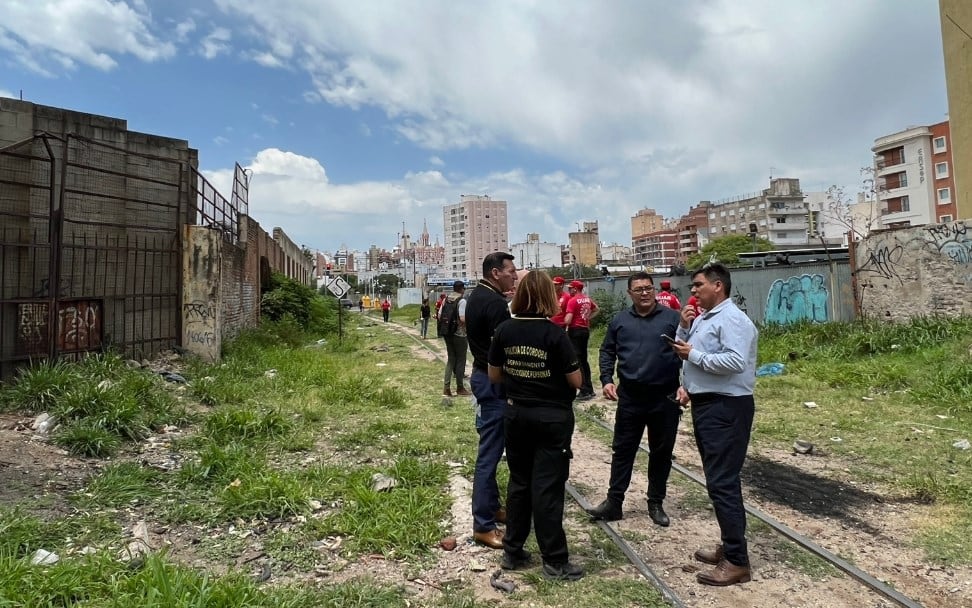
(338, 287)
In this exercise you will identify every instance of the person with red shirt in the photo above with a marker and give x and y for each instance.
(562, 298)
(666, 298)
(580, 310)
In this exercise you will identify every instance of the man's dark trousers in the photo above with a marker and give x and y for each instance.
(490, 405)
(641, 407)
(538, 454)
(722, 426)
(579, 337)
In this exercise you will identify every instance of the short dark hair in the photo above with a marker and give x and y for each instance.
(495, 261)
(641, 275)
(716, 272)
(459, 287)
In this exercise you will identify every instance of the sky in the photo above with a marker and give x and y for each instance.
(355, 116)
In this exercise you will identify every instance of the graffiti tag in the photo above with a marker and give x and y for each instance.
(798, 298)
(884, 262)
(951, 241)
(79, 325)
(197, 310)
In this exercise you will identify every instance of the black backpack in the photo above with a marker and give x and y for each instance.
(448, 321)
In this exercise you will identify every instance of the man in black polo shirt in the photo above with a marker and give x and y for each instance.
(648, 370)
(486, 308)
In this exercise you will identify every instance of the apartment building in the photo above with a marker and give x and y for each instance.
(778, 213)
(585, 245)
(914, 181)
(474, 227)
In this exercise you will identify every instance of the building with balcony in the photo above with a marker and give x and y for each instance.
(474, 227)
(655, 251)
(914, 182)
(778, 213)
(691, 231)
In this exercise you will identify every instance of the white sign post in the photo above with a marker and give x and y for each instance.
(338, 287)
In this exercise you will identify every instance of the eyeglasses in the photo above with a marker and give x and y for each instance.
(648, 289)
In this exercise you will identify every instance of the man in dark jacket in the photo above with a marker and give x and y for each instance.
(648, 373)
(486, 308)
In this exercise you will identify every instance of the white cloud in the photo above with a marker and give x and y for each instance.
(6, 93)
(435, 161)
(184, 28)
(71, 32)
(269, 118)
(215, 43)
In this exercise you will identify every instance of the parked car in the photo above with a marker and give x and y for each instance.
(346, 302)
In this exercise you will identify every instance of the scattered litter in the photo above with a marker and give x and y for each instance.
(497, 583)
(941, 416)
(44, 424)
(270, 373)
(381, 364)
(770, 369)
(809, 404)
(802, 447)
(962, 444)
(173, 377)
(44, 558)
(867, 398)
(382, 483)
(836, 439)
(477, 566)
(895, 346)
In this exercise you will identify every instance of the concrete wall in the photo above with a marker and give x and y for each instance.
(956, 18)
(201, 301)
(916, 271)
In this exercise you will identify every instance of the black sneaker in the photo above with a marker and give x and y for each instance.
(585, 397)
(607, 511)
(515, 561)
(562, 572)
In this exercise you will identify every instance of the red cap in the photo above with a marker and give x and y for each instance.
(666, 284)
(558, 280)
(576, 285)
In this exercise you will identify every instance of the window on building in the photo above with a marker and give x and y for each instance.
(712, 215)
(722, 214)
(944, 196)
(941, 170)
(939, 144)
(713, 230)
(762, 222)
(944, 219)
(781, 235)
(732, 212)
(781, 220)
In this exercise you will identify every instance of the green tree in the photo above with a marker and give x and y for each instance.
(388, 284)
(726, 250)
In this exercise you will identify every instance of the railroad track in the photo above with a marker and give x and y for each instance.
(657, 580)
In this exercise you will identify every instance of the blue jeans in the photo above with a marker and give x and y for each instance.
(425, 327)
(490, 406)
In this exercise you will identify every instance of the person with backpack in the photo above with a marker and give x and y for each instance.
(451, 327)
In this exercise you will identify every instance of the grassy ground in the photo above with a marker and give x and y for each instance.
(296, 435)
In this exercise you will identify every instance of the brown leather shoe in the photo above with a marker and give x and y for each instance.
(500, 516)
(725, 574)
(710, 556)
(446, 392)
(462, 392)
(492, 539)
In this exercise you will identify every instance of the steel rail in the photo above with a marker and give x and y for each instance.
(796, 537)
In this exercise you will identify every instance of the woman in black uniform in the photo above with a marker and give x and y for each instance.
(535, 361)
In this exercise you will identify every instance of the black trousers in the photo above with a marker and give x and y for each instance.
(538, 455)
(579, 338)
(641, 408)
(722, 427)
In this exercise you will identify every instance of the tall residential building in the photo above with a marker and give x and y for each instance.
(474, 227)
(778, 213)
(691, 231)
(645, 221)
(913, 176)
(533, 253)
(585, 245)
(656, 251)
(956, 16)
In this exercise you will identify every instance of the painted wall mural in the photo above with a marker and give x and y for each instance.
(797, 298)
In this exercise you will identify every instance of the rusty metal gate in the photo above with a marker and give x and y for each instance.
(90, 250)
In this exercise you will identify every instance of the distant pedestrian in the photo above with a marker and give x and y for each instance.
(536, 363)
(385, 309)
(425, 312)
(562, 298)
(360, 305)
(718, 350)
(451, 327)
(580, 310)
(665, 297)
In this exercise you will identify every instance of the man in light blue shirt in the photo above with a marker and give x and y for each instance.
(718, 350)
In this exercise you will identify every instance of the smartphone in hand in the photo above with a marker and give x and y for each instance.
(668, 339)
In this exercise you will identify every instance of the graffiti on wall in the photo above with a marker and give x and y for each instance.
(950, 240)
(797, 298)
(78, 326)
(199, 318)
(32, 329)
